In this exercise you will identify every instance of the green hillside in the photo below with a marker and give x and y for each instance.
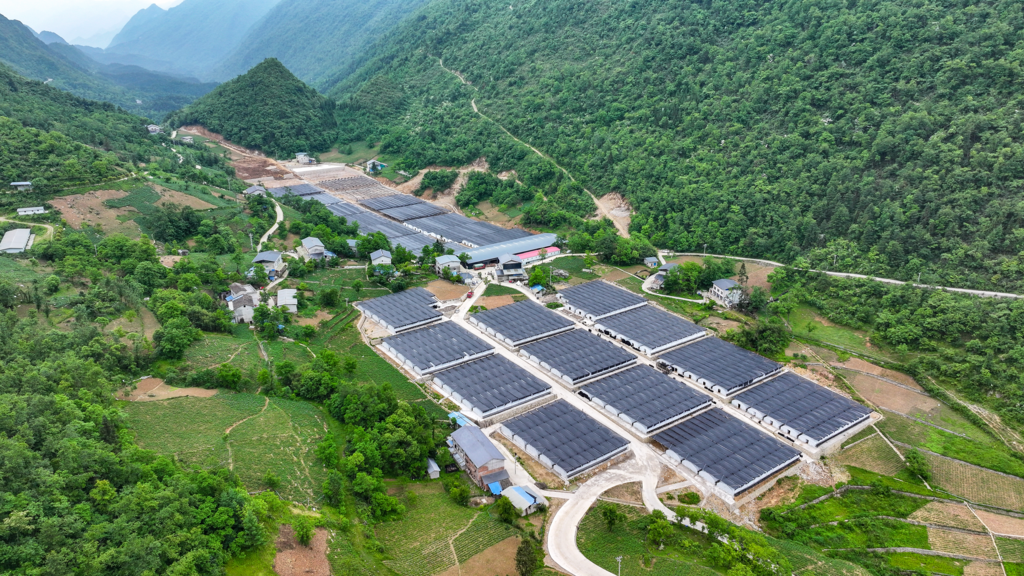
(268, 109)
(194, 35)
(316, 39)
(883, 136)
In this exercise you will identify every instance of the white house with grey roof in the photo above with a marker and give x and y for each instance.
(380, 258)
(22, 186)
(287, 299)
(726, 292)
(451, 262)
(476, 454)
(242, 301)
(271, 260)
(312, 249)
(31, 211)
(16, 241)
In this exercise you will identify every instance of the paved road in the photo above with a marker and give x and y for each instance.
(280, 218)
(980, 293)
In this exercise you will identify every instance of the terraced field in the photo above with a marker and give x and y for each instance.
(872, 454)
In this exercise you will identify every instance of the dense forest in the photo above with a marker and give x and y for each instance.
(268, 109)
(889, 128)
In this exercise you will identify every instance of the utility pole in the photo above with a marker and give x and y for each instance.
(619, 559)
(251, 247)
(705, 255)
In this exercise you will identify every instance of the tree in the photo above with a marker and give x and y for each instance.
(330, 297)
(459, 494)
(742, 277)
(357, 286)
(334, 488)
(52, 284)
(526, 558)
(303, 527)
(767, 337)
(175, 337)
(271, 480)
(229, 376)
(918, 465)
(327, 451)
(349, 365)
(611, 516)
(506, 510)
(659, 532)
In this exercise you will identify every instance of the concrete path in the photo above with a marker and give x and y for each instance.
(280, 218)
(650, 282)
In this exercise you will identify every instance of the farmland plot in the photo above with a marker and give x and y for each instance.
(948, 514)
(1002, 524)
(974, 545)
(977, 484)
(872, 454)
(978, 568)
(420, 543)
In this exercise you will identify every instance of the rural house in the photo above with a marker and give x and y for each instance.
(659, 278)
(311, 249)
(16, 241)
(254, 191)
(303, 158)
(433, 470)
(353, 246)
(270, 260)
(726, 292)
(287, 299)
(477, 455)
(187, 140)
(651, 262)
(510, 267)
(242, 301)
(22, 186)
(452, 263)
(153, 129)
(524, 499)
(31, 211)
(380, 258)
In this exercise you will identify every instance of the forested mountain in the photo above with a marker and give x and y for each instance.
(881, 136)
(194, 35)
(50, 37)
(268, 109)
(316, 39)
(66, 67)
(56, 139)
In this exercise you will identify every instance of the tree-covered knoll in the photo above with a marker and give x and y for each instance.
(268, 109)
(762, 129)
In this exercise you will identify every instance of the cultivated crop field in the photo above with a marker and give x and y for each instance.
(422, 542)
(1011, 549)
(979, 450)
(922, 563)
(872, 454)
(979, 568)
(974, 545)
(948, 514)
(1002, 524)
(11, 270)
(216, 349)
(977, 484)
(807, 561)
(190, 429)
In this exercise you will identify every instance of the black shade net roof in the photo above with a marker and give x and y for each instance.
(522, 321)
(403, 308)
(726, 449)
(645, 395)
(324, 199)
(566, 435)
(413, 211)
(437, 345)
(416, 241)
(650, 326)
(720, 363)
(491, 382)
(296, 190)
(807, 408)
(579, 354)
(599, 298)
(394, 201)
(346, 209)
(458, 228)
(369, 222)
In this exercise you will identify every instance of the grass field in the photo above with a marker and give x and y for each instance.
(602, 546)
(215, 349)
(428, 539)
(361, 152)
(499, 290)
(872, 454)
(919, 562)
(574, 266)
(807, 322)
(948, 514)
(142, 198)
(986, 453)
(806, 560)
(280, 438)
(13, 270)
(1011, 549)
(195, 191)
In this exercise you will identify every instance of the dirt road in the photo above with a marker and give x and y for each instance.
(280, 218)
(49, 228)
(601, 210)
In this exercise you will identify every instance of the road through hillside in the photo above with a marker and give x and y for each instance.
(601, 210)
(280, 218)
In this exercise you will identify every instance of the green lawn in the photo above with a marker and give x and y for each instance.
(574, 266)
(17, 271)
(361, 152)
(921, 563)
(499, 290)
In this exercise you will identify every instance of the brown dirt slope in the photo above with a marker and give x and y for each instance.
(294, 559)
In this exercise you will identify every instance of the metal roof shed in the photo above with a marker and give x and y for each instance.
(577, 356)
(801, 409)
(729, 454)
(719, 366)
(598, 299)
(434, 348)
(520, 323)
(16, 241)
(645, 399)
(476, 445)
(402, 311)
(649, 329)
(490, 385)
(491, 253)
(563, 439)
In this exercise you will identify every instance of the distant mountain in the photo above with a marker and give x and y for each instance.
(66, 67)
(50, 37)
(268, 109)
(316, 38)
(101, 40)
(194, 35)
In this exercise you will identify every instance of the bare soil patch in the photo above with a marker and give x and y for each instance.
(974, 545)
(891, 396)
(628, 492)
(169, 261)
(669, 477)
(492, 302)
(498, 559)
(949, 514)
(492, 214)
(89, 208)
(720, 325)
(757, 275)
(168, 196)
(618, 209)
(533, 467)
(149, 323)
(872, 454)
(320, 316)
(615, 275)
(249, 168)
(445, 290)
(153, 389)
(372, 330)
(235, 150)
(1002, 524)
(294, 559)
